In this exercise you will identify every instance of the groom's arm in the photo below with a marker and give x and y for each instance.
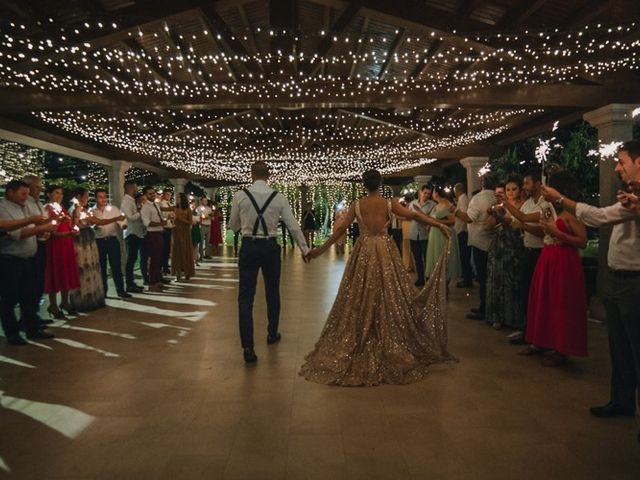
(292, 225)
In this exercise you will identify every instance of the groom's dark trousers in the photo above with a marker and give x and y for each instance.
(258, 254)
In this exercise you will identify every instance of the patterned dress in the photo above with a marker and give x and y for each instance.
(505, 285)
(380, 328)
(90, 295)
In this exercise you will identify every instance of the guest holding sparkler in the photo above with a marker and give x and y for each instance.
(108, 221)
(90, 295)
(61, 271)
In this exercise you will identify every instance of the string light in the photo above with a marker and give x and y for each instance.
(205, 144)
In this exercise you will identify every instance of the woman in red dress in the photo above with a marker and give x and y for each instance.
(557, 314)
(61, 271)
(215, 239)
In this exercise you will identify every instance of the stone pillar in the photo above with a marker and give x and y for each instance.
(473, 166)
(179, 185)
(211, 194)
(422, 180)
(615, 124)
(116, 180)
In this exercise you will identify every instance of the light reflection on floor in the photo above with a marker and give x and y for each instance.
(68, 421)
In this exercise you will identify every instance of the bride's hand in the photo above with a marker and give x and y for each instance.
(314, 253)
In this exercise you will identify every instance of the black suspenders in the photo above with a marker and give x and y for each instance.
(260, 211)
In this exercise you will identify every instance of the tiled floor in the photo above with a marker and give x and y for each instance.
(156, 388)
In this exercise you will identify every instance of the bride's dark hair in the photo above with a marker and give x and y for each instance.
(371, 180)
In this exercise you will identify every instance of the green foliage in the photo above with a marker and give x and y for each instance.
(573, 145)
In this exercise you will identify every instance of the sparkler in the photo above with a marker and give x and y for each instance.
(484, 170)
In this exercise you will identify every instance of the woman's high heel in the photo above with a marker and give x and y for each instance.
(70, 311)
(57, 314)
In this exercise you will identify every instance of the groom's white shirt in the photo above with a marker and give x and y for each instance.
(244, 215)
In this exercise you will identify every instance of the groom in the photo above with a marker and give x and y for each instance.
(256, 212)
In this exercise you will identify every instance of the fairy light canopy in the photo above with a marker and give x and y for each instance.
(321, 89)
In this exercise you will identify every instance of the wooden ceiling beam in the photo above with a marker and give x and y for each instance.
(217, 26)
(427, 58)
(393, 49)
(505, 96)
(520, 13)
(340, 25)
(361, 42)
(283, 18)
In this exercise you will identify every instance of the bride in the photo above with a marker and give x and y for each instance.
(381, 329)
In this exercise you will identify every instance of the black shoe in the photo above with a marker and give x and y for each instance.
(419, 284)
(45, 322)
(16, 340)
(475, 316)
(612, 410)
(40, 335)
(135, 289)
(273, 339)
(166, 281)
(70, 311)
(124, 295)
(250, 356)
(166, 272)
(464, 285)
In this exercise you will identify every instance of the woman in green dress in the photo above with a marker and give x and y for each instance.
(443, 212)
(196, 236)
(505, 298)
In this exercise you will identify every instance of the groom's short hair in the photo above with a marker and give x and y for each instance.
(260, 170)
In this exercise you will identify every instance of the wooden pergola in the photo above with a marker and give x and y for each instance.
(200, 88)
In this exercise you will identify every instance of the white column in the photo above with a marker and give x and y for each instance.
(473, 166)
(179, 184)
(615, 124)
(211, 194)
(116, 172)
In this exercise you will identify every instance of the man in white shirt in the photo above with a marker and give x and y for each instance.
(462, 204)
(419, 233)
(480, 235)
(165, 207)
(256, 212)
(17, 250)
(35, 207)
(133, 234)
(204, 213)
(108, 241)
(621, 288)
(154, 224)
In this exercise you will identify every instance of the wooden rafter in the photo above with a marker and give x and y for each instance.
(361, 42)
(189, 128)
(520, 13)
(393, 49)
(504, 96)
(283, 15)
(337, 28)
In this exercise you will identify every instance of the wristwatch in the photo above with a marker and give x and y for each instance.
(558, 202)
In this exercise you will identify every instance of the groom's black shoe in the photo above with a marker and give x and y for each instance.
(250, 356)
(271, 339)
(612, 410)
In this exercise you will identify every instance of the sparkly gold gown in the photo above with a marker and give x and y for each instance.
(381, 329)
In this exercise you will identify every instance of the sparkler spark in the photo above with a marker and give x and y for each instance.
(484, 170)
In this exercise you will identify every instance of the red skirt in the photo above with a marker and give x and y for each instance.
(557, 312)
(215, 238)
(61, 271)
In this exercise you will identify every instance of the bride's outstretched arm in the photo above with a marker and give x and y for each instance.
(418, 217)
(338, 232)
